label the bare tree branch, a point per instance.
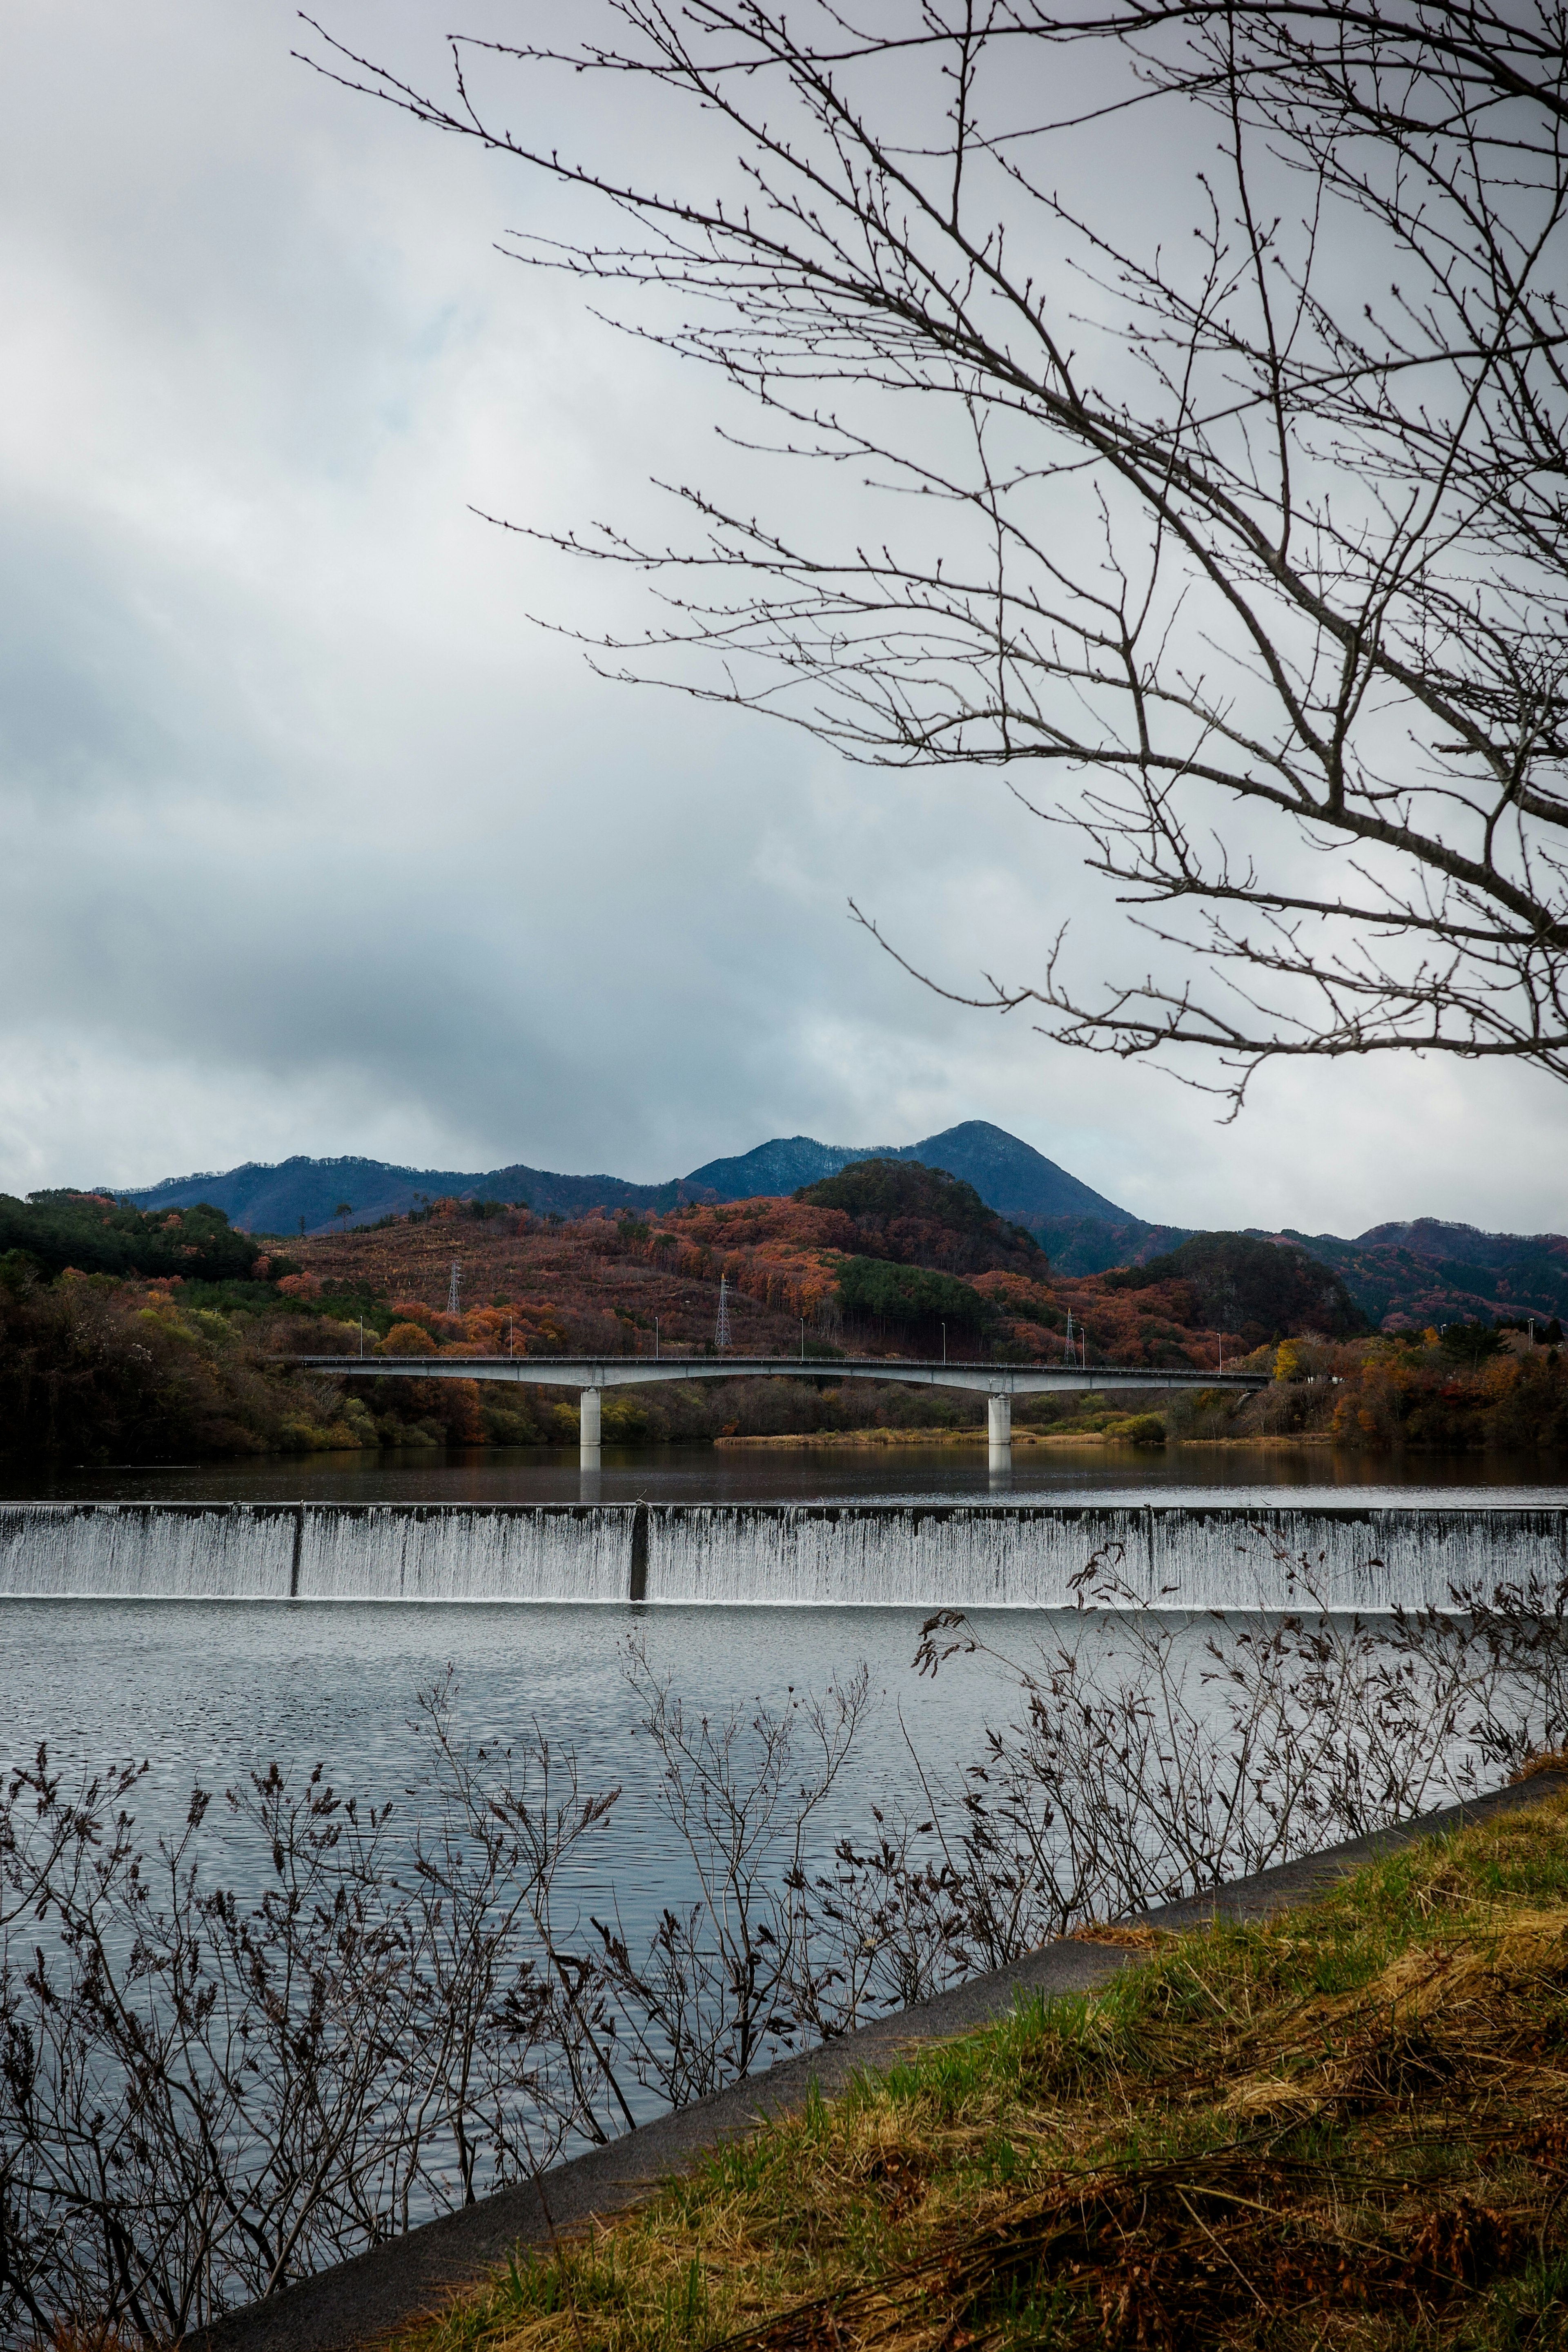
(1250, 535)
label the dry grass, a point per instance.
(1347, 2128)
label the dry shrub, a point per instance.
(209, 2089)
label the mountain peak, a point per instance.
(1010, 1177)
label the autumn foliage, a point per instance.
(96, 1368)
(94, 1235)
(888, 1259)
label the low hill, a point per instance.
(1403, 1276)
(1409, 1276)
(915, 1216)
(881, 1254)
(1262, 1290)
(98, 1235)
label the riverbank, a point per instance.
(832, 1440)
(836, 1440)
(1339, 2108)
(1357, 2112)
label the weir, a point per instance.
(921, 1555)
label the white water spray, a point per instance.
(962, 1555)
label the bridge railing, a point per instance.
(591, 1375)
(987, 1378)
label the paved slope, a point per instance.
(368, 2297)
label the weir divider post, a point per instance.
(637, 1588)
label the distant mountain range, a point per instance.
(1400, 1275)
(1426, 1272)
(1009, 1176)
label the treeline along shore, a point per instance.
(132, 1336)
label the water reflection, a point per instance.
(694, 1473)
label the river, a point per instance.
(738, 1474)
(171, 1633)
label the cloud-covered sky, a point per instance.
(311, 840)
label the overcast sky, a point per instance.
(312, 842)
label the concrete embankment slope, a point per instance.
(360, 2300)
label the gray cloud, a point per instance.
(311, 842)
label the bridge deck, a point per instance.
(638, 1372)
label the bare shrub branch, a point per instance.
(206, 2091)
(209, 2088)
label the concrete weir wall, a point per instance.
(939, 1555)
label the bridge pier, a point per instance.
(588, 1429)
(999, 1431)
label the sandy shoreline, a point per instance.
(838, 1438)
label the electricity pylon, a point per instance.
(721, 1336)
(453, 1287)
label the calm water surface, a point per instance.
(694, 1473)
(207, 1691)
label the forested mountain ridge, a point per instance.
(128, 1336)
(271, 1198)
(1010, 1175)
(1429, 1272)
(1406, 1274)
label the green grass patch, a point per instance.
(1345, 2127)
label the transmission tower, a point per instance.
(721, 1336)
(453, 1287)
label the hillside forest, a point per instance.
(130, 1335)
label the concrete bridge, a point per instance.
(591, 1375)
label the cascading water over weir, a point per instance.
(921, 1555)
